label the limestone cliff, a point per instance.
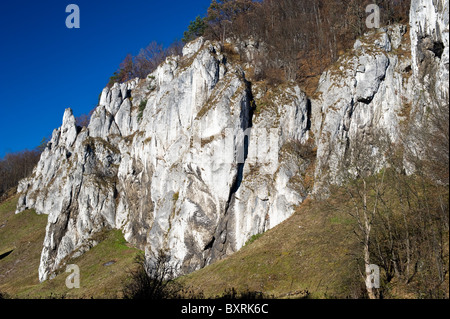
(386, 83)
(195, 159)
(165, 159)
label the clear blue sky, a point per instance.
(46, 67)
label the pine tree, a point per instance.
(195, 29)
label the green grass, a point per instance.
(25, 232)
(8, 206)
(253, 238)
(103, 270)
(310, 255)
(341, 220)
(142, 107)
(313, 254)
(311, 251)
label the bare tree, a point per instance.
(301, 37)
(15, 166)
(152, 278)
(82, 120)
(365, 186)
(148, 59)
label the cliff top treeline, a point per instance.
(299, 38)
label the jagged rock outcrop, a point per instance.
(195, 159)
(429, 37)
(166, 160)
(430, 64)
(379, 93)
(359, 99)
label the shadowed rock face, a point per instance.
(210, 161)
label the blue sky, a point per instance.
(47, 67)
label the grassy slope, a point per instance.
(97, 280)
(312, 254)
(311, 251)
(25, 234)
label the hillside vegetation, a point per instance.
(294, 40)
(103, 269)
(316, 253)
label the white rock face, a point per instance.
(175, 175)
(369, 91)
(361, 97)
(429, 29)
